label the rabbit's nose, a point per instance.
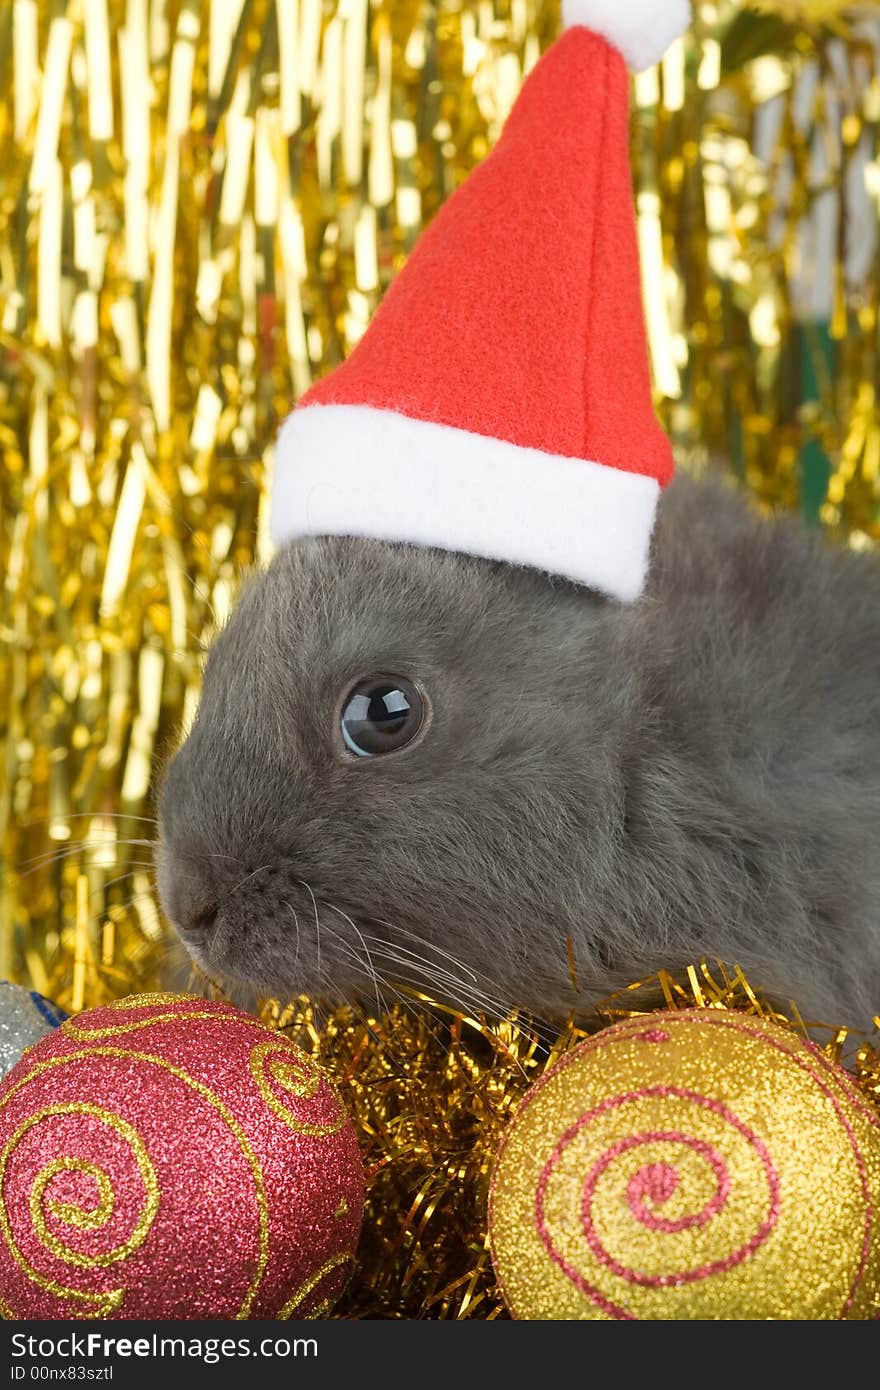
(191, 906)
(200, 919)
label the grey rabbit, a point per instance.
(563, 779)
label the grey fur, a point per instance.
(697, 773)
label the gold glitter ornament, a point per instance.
(690, 1165)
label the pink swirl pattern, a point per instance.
(659, 1182)
(636, 1202)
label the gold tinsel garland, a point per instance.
(200, 206)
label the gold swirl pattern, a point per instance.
(84, 1218)
(298, 1075)
(115, 1030)
(99, 1216)
(102, 1305)
(89, 1303)
(689, 1165)
(310, 1284)
(151, 1000)
(74, 1029)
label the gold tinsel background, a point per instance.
(200, 206)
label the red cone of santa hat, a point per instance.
(499, 403)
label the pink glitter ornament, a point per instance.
(171, 1157)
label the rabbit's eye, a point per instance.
(381, 715)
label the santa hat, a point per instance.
(499, 403)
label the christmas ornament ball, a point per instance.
(690, 1165)
(25, 1017)
(171, 1157)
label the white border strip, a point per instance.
(351, 470)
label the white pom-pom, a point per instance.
(641, 29)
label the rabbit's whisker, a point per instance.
(363, 941)
(317, 927)
(298, 935)
(427, 944)
(442, 978)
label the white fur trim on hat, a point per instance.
(352, 470)
(641, 29)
